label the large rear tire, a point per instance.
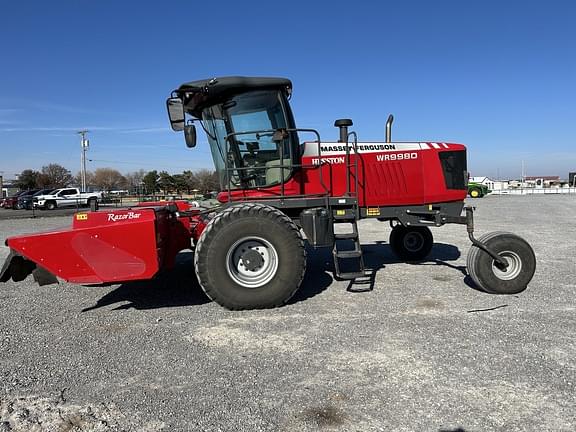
(412, 243)
(488, 276)
(250, 256)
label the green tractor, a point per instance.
(477, 190)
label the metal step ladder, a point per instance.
(348, 255)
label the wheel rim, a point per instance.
(413, 241)
(514, 266)
(474, 193)
(252, 262)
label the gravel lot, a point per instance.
(422, 351)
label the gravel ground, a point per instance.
(422, 351)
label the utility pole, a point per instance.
(1, 185)
(84, 143)
(523, 172)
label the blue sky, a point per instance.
(497, 76)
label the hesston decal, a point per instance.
(112, 217)
(379, 158)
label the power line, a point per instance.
(136, 163)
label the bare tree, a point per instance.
(54, 175)
(108, 179)
(135, 180)
(206, 180)
(89, 178)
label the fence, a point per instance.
(536, 191)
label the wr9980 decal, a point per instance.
(396, 156)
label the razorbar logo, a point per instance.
(112, 217)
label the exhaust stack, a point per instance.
(389, 128)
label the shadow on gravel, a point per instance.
(178, 287)
(380, 254)
(441, 252)
(318, 274)
(320, 266)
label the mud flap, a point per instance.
(18, 268)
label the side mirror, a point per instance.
(175, 113)
(190, 135)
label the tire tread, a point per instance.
(221, 219)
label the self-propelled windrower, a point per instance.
(277, 190)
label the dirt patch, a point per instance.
(36, 414)
(232, 336)
(324, 416)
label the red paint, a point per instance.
(123, 245)
(108, 246)
(417, 181)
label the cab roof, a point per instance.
(197, 95)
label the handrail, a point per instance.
(282, 166)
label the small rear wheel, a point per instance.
(411, 243)
(250, 256)
(495, 279)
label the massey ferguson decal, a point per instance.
(361, 147)
(333, 153)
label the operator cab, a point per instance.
(249, 126)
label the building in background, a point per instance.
(490, 183)
(8, 189)
(542, 181)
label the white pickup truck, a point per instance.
(66, 197)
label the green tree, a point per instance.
(166, 182)
(180, 183)
(28, 179)
(151, 182)
(190, 179)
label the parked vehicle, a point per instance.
(66, 197)
(10, 202)
(477, 190)
(26, 201)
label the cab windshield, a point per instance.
(240, 132)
